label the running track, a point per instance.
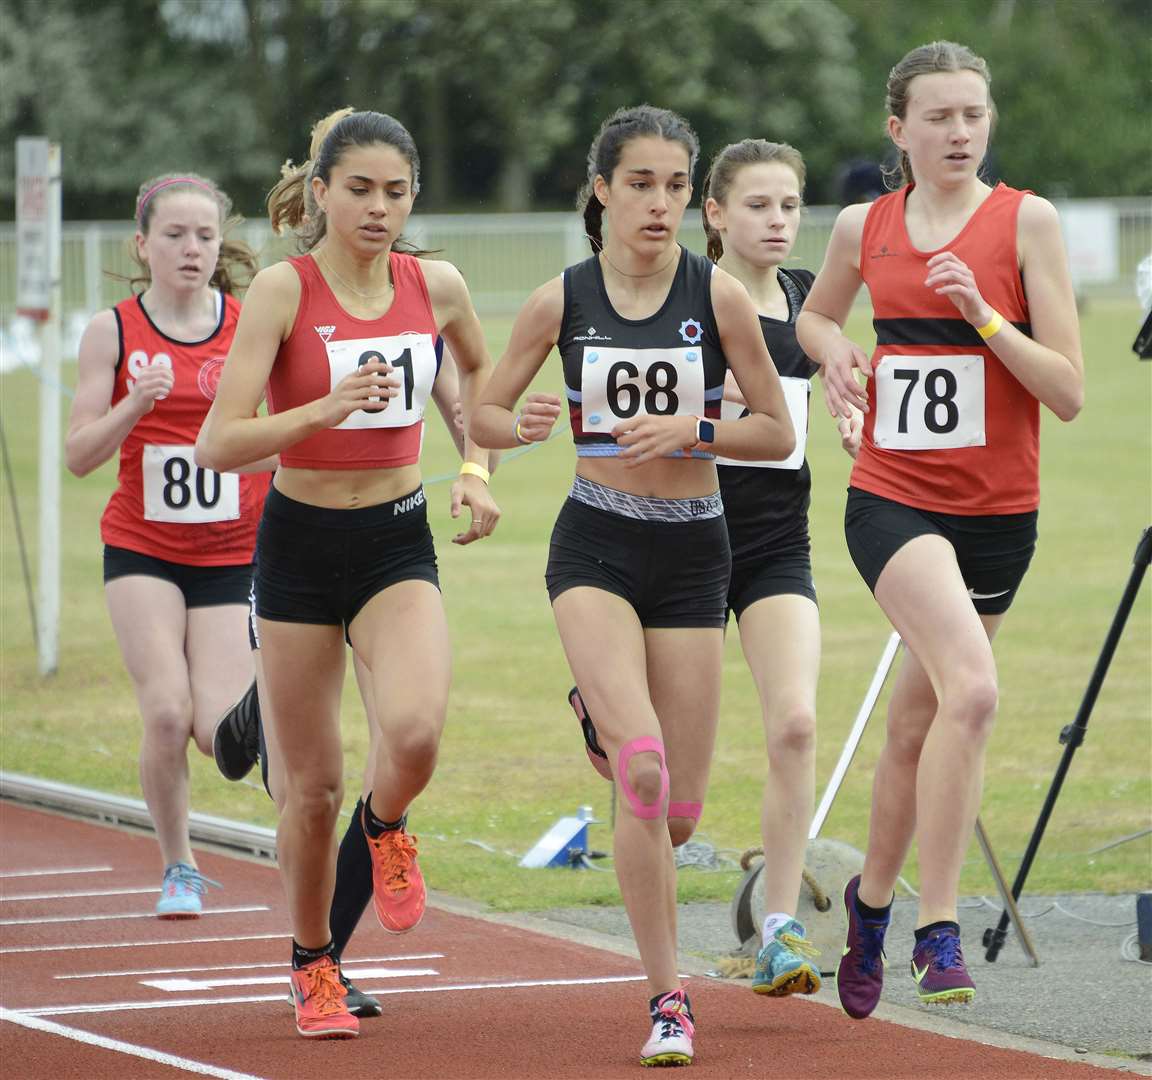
(91, 985)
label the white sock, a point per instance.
(774, 922)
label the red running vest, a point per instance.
(326, 344)
(949, 428)
(164, 505)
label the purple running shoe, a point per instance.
(939, 971)
(860, 973)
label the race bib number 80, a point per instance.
(176, 489)
(617, 384)
(413, 360)
(929, 402)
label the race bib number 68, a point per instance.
(929, 402)
(617, 384)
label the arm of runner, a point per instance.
(458, 325)
(95, 431)
(233, 435)
(732, 389)
(534, 334)
(446, 395)
(819, 327)
(1049, 364)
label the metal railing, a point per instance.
(503, 257)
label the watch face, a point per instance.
(707, 431)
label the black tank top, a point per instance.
(766, 506)
(669, 364)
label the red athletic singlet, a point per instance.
(164, 505)
(327, 343)
(949, 428)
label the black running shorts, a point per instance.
(993, 550)
(202, 586)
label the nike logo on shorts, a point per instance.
(987, 595)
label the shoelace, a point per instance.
(872, 942)
(398, 852)
(673, 1017)
(324, 989)
(800, 946)
(946, 952)
(186, 877)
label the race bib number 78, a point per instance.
(929, 402)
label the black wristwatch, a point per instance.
(705, 431)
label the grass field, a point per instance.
(512, 762)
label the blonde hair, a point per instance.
(291, 204)
(237, 262)
(722, 173)
(930, 59)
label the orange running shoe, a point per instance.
(318, 995)
(398, 892)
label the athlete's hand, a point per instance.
(645, 438)
(472, 492)
(851, 430)
(153, 384)
(536, 417)
(949, 276)
(369, 387)
(842, 391)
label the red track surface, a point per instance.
(449, 1015)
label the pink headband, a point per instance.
(168, 183)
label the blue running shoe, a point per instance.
(181, 891)
(786, 963)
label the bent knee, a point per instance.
(972, 706)
(315, 802)
(792, 735)
(643, 777)
(683, 817)
(415, 746)
(169, 721)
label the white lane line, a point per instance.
(54, 870)
(79, 895)
(191, 986)
(348, 964)
(158, 1056)
(125, 915)
(285, 935)
(185, 1003)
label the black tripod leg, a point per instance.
(1073, 735)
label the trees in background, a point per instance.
(504, 96)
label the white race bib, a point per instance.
(616, 384)
(176, 489)
(413, 360)
(929, 402)
(796, 393)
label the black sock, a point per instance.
(302, 956)
(353, 883)
(654, 1005)
(873, 914)
(945, 924)
(373, 826)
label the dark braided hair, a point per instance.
(618, 130)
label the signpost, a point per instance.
(38, 211)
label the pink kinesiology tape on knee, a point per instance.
(691, 810)
(641, 746)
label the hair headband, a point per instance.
(168, 183)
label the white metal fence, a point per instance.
(505, 256)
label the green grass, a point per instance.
(511, 761)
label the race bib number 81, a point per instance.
(617, 384)
(413, 360)
(929, 402)
(176, 489)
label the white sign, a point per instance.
(37, 225)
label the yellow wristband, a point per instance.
(470, 468)
(520, 438)
(992, 326)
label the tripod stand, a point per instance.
(1073, 734)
